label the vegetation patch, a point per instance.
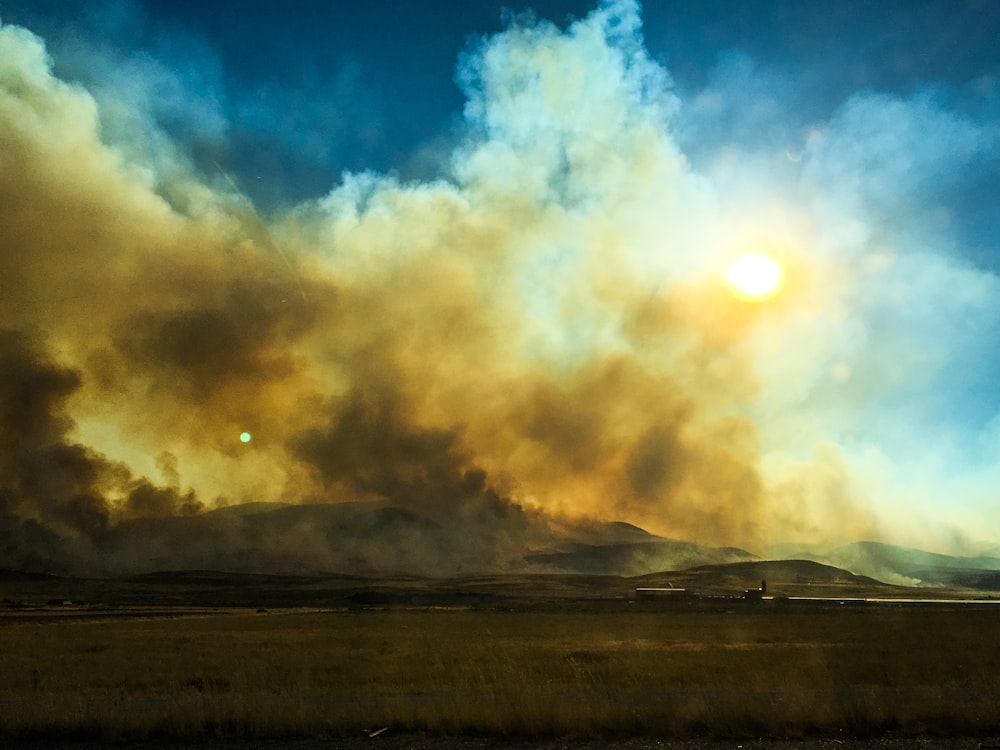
(531, 673)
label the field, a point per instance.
(593, 670)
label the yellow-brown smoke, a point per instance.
(544, 330)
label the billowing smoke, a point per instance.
(51, 487)
(542, 333)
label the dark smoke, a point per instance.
(373, 449)
(51, 488)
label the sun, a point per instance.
(754, 276)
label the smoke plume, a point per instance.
(542, 333)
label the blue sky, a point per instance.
(497, 231)
(302, 94)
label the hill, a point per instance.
(636, 558)
(787, 577)
(915, 567)
(373, 539)
(379, 541)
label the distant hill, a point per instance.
(788, 577)
(356, 538)
(247, 509)
(19, 576)
(377, 539)
(636, 558)
(484, 537)
(915, 567)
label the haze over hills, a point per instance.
(914, 567)
(379, 540)
(365, 538)
(637, 558)
(783, 577)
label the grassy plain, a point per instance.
(598, 670)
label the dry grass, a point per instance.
(532, 673)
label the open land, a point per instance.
(515, 657)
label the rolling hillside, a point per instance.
(914, 567)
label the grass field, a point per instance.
(623, 671)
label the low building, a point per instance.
(662, 594)
(756, 595)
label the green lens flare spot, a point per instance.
(245, 437)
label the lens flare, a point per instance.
(754, 276)
(245, 437)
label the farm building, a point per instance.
(662, 594)
(756, 595)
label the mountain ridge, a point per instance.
(377, 539)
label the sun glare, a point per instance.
(754, 276)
